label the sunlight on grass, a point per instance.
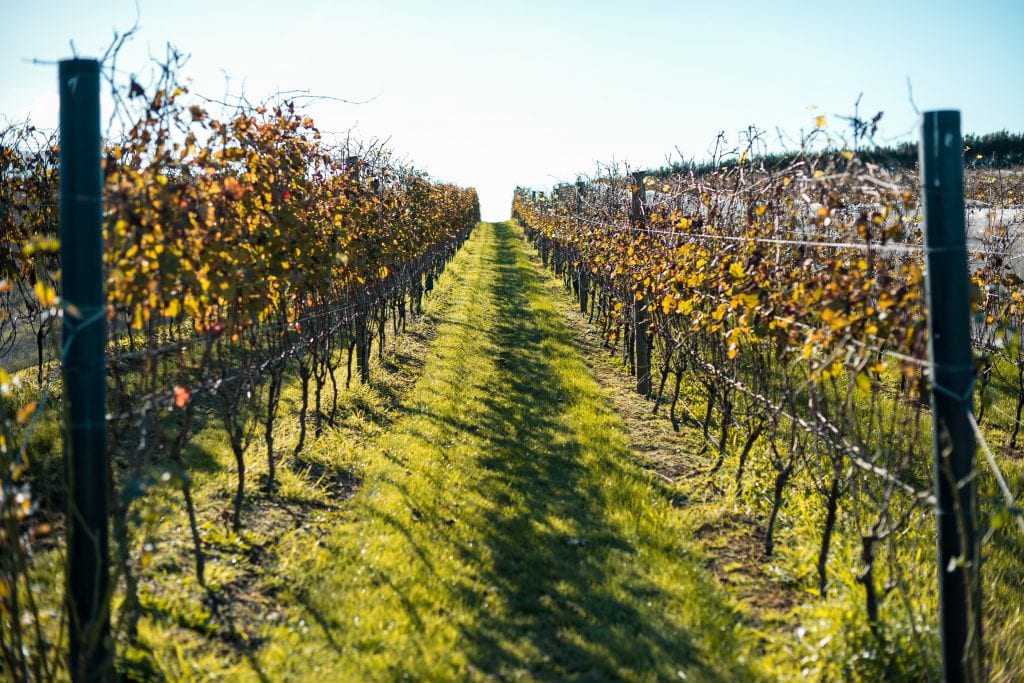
(500, 530)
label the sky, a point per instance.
(535, 92)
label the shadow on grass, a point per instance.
(541, 581)
(564, 606)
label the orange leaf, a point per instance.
(233, 189)
(25, 412)
(181, 397)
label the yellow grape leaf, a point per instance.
(820, 121)
(46, 295)
(25, 412)
(736, 270)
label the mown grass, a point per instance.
(500, 530)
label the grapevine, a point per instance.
(238, 244)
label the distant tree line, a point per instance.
(989, 151)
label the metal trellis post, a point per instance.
(952, 396)
(87, 467)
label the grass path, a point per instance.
(501, 530)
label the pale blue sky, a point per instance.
(495, 94)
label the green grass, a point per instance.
(500, 530)
(499, 527)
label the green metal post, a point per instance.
(81, 243)
(952, 372)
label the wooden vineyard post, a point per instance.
(643, 350)
(638, 198)
(641, 319)
(583, 272)
(85, 374)
(363, 337)
(362, 312)
(952, 396)
(416, 289)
